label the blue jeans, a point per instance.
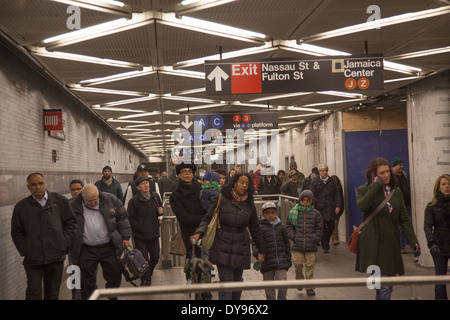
(227, 274)
(384, 293)
(440, 267)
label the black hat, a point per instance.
(139, 180)
(183, 165)
(141, 167)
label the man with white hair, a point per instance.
(104, 232)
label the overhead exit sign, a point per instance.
(345, 73)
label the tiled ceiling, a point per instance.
(145, 109)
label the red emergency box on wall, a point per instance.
(53, 119)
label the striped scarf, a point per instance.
(238, 198)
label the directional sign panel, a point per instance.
(229, 120)
(346, 73)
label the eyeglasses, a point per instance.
(185, 171)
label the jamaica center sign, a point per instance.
(343, 73)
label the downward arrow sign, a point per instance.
(218, 74)
(186, 123)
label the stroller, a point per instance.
(199, 269)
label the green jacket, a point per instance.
(379, 242)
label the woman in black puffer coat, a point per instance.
(437, 230)
(231, 248)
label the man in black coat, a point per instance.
(42, 228)
(186, 205)
(328, 203)
(144, 211)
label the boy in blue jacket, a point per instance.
(304, 228)
(210, 189)
(278, 257)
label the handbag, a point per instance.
(177, 246)
(214, 224)
(133, 264)
(354, 238)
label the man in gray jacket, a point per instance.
(104, 232)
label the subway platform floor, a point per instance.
(338, 263)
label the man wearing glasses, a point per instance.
(185, 203)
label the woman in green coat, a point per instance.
(379, 243)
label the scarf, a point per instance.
(387, 191)
(212, 185)
(324, 180)
(108, 182)
(293, 214)
(238, 198)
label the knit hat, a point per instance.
(396, 161)
(306, 193)
(207, 176)
(268, 205)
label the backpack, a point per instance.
(133, 264)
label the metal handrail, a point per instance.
(230, 286)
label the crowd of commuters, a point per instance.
(99, 221)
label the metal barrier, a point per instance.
(170, 224)
(230, 286)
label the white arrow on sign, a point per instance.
(218, 74)
(186, 123)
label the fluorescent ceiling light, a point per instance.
(189, 6)
(420, 53)
(39, 51)
(330, 102)
(379, 23)
(402, 79)
(182, 73)
(108, 91)
(168, 96)
(145, 114)
(128, 101)
(280, 96)
(100, 30)
(107, 6)
(342, 94)
(207, 106)
(98, 108)
(397, 67)
(227, 55)
(304, 115)
(118, 77)
(212, 28)
(291, 45)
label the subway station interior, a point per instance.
(125, 76)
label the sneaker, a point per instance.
(310, 292)
(326, 251)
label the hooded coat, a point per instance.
(231, 247)
(306, 233)
(278, 256)
(379, 242)
(437, 224)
